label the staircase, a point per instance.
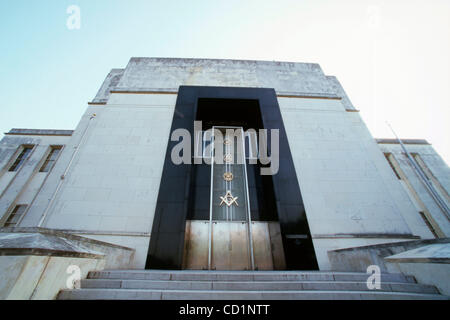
(241, 285)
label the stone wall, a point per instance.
(351, 196)
(437, 172)
(37, 264)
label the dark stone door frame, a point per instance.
(168, 231)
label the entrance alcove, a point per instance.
(275, 235)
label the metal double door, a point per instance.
(230, 244)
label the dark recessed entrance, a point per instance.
(279, 230)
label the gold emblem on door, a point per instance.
(228, 199)
(228, 176)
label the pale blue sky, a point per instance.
(392, 57)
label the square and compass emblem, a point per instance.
(229, 199)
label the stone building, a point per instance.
(110, 195)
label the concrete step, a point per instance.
(134, 294)
(244, 285)
(243, 276)
(254, 285)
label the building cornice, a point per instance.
(405, 141)
(39, 132)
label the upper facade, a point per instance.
(166, 75)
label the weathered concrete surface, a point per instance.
(41, 244)
(426, 260)
(433, 253)
(111, 189)
(38, 241)
(428, 264)
(436, 170)
(350, 194)
(22, 178)
(435, 274)
(43, 198)
(21, 186)
(359, 258)
(34, 262)
(40, 277)
(111, 81)
(162, 74)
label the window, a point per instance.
(15, 215)
(422, 214)
(389, 159)
(21, 158)
(429, 175)
(51, 159)
(419, 162)
(416, 200)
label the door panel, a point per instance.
(230, 249)
(261, 246)
(230, 246)
(196, 245)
